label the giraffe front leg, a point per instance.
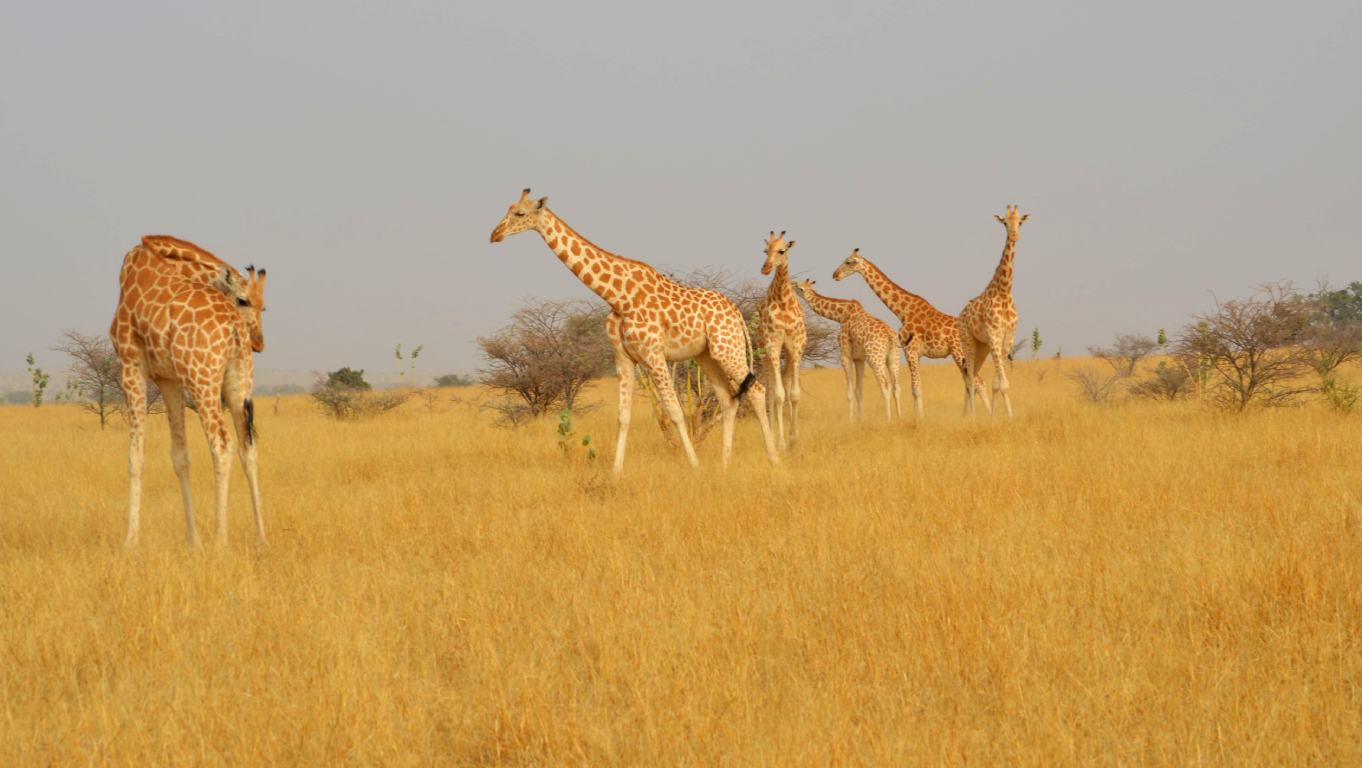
(793, 392)
(893, 365)
(756, 395)
(135, 394)
(849, 373)
(777, 404)
(860, 387)
(625, 369)
(179, 455)
(1000, 383)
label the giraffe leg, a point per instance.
(733, 363)
(973, 358)
(237, 389)
(893, 365)
(660, 375)
(179, 455)
(624, 368)
(879, 367)
(208, 399)
(135, 394)
(793, 393)
(728, 405)
(1000, 384)
(860, 388)
(777, 404)
(848, 371)
(915, 379)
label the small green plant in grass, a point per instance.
(40, 378)
(567, 438)
(1340, 396)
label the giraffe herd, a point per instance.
(189, 322)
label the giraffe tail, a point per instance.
(751, 377)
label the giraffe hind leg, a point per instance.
(179, 455)
(135, 395)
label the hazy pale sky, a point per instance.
(364, 151)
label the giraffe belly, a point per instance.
(681, 347)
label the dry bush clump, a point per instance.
(542, 360)
(344, 394)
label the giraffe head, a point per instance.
(853, 264)
(251, 303)
(522, 215)
(805, 287)
(1013, 220)
(777, 252)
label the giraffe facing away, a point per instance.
(989, 321)
(863, 338)
(781, 333)
(926, 330)
(189, 322)
(654, 320)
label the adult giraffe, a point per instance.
(186, 320)
(654, 320)
(781, 333)
(988, 322)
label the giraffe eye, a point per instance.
(782, 251)
(520, 213)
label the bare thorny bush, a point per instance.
(545, 357)
(1256, 351)
(95, 379)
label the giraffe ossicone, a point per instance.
(654, 321)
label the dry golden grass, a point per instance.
(1142, 584)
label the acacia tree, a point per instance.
(545, 357)
(95, 379)
(1125, 353)
(1251, 349)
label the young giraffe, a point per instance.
(654, 320)
(989, 321)
(781, 332)
(926, 330)
(187, 320)
(862, 338)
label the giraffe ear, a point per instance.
(999, 218)
(789, 245)
(543, 201)
(1024, 217)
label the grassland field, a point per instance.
(1139, 584)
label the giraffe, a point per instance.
(863, 338)
(781, 332)
(988, 322)
(926, 330)
(188, 321)
(654, 320)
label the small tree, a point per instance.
(39, 378)
(1035, 342)
(1094, 386)
(1125, 353)
(1167, 382)
(453, 380)
(346, 377)
(545, 358)
(1251, 349)
(96, 376)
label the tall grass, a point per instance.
(1143, 584)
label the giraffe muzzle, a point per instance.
(498, 234)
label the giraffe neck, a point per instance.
(899, 301)
(609, 276)
(838, 310)
(1002, 276)
(780, 293)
